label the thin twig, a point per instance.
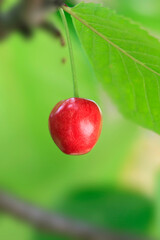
(26, 15)
(70, 48)
(56, 224)
(53, 30)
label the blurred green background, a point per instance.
(114, 186)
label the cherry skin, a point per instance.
(75, 125)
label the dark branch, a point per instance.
(53, 30)
(26, 16)
(55, 224)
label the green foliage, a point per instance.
(112, 208)
(126, 60)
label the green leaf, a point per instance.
(126, 59)
(111, 208)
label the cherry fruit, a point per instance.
(75, 125)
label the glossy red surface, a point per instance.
(75, 125)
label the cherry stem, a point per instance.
(75, 86)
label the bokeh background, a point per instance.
(116, 186)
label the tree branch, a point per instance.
(53, 30)
(26, 15)
(56, 224)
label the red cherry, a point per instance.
(75, 125)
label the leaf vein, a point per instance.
(67, 9)
(130, 82)
(146, 94)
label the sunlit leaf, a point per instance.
(126, 60)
